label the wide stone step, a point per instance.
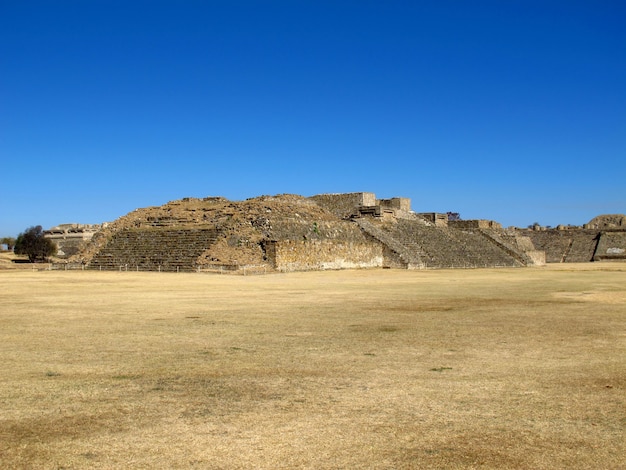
(439, 247)
(154, 250)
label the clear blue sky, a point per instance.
(507, 110)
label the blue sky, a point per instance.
(513, 111)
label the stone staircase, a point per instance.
(423, 246)
(509, 244)
(154, 249)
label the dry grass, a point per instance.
(7, 258)
(520, 368)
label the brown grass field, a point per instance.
(382, 369)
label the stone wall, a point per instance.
(434, 218)
(344, 205)
(476, 223)
(299, 229)
(309, 255)
(611, 247)
(397, 203)
(302, 245)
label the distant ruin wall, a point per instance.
(608, 221)
(70, 239)
(397, 203)
(344, 205)
(292, 255)
(67, 247)
(476, 223)
(564, 246)
(611, 246)
(435, 218)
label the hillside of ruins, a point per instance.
(328, 231)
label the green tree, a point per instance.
(9, 242)
(34, 244)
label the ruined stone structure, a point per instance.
(434, 218)
(608, 221)
(474, 224)
(565, 246)
(344, 206)
(71, 238)
(327, 231)
(579, 245)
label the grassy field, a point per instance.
(493, 368)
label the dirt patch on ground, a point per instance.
(595, 297)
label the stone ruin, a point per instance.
(602, 239)
(70, 239)
(328, 231)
